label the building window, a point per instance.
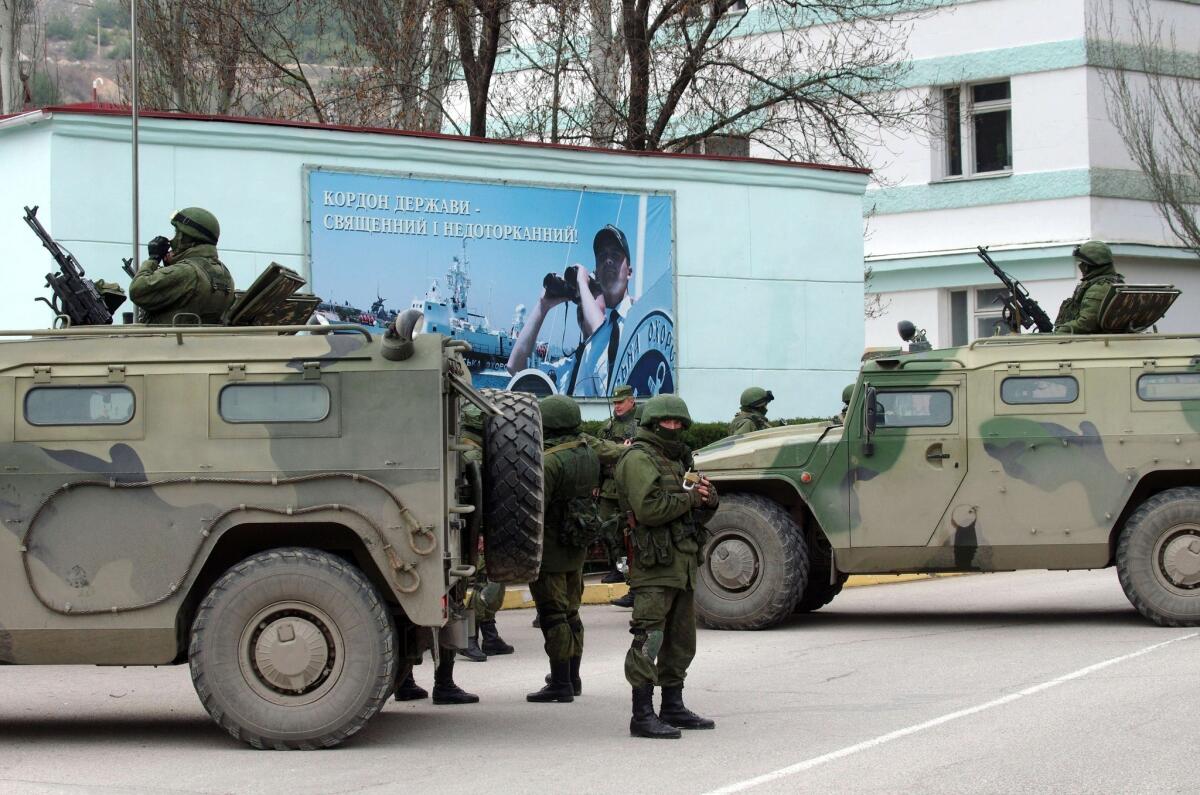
(976, 312)
(79, 405)
(274, 403)
(978, 129)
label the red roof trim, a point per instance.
(104, 109)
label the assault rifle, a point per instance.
(75, 298)
(1020, 310)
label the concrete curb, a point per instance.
(598, 593)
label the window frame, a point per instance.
(1137, 387)
(1046, 377)
(916, 390)
(973, 310)
(76, 387)
(968, 109)
(274, 385)
(220, 428)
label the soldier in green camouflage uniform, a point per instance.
(487, 596)
(572, 474)
(667, 531)
(620, 428)
(1080, 314)
(188, 279)
(753, 416)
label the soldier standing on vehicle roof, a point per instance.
(753, 414)
(572, 475)
(184, 276)
(488, 596)
(1080, 314)
(667, 529)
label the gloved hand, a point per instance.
(158, 248)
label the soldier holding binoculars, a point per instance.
(602, 304)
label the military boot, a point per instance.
(576, 682)
(558, 688)
(614, 575)
(675, 713)
(407, 689)
(444, 689)
(493, 644)
(622, 601)
(473, 652)
(644, 722)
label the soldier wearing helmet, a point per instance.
(666, 527)
(183, 276)
(572, 477)
(1080, 314)
(753, 414)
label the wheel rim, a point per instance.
(291, 653)
(1177, 555)
(733, 563)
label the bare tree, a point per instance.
(395, 66)
(14, 16)
(477, 27)
(1156, 110)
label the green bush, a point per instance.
(120, 50)
(81, 47)
(44, 90)
(111, 13)
(60, 28)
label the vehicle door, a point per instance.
(905, 477)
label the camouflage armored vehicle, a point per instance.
(1018, 452)
(288, 513)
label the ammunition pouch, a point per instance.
(581, 522)
(653, 546)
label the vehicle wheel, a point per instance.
(1158, 558)
(754, 567)
(293, 649)
(818, 590)
(512, 489)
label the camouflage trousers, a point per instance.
(486, 601)
(664, 636)
(556, 596)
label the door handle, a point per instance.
(936, 456)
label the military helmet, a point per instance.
(1095, 253)
(756, 395)
(560, 413)
(198, 223)
(665, 407)
(847, 393)
(472, 418)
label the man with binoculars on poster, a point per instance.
(602, 303)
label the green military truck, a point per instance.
(1017, 452)
(284, 508)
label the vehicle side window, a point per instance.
(1034, 389)
(1169, 386)
(274, 403)
(79, 405)
(916, 409)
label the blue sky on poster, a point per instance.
(354, 266)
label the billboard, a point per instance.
(558, 289)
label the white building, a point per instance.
(1028, 165)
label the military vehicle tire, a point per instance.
(818, 590)
(1158, 558)
(755, 565)
(512, 488)
(260, 685)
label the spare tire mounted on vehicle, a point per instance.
(512, 488)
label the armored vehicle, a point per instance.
(1019, 452)
(283, 508)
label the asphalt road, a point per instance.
(1025, 682)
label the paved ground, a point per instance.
(1027, 682)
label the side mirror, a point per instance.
(870, 419)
